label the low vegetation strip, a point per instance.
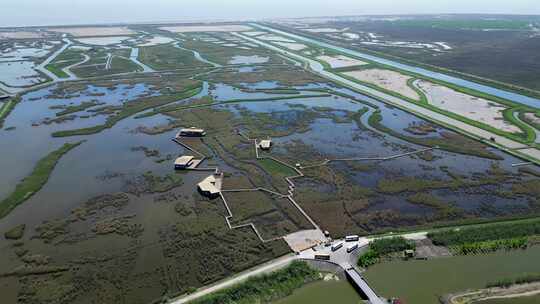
(36, 180)
(78, 108)
(523, 279)
(174, 108)
(490, 246)
(497, 231)
(132, 108)
(56, 70)
(273, 167)
(382, 248)
(264, 288)
(6, 108)
(510, 115)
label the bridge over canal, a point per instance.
(361, 285)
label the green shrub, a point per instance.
(502, 231)
(381, 247)
(264, 288)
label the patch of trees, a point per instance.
(380, 248)
(264, 288)
(501, 231)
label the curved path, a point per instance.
(41, 66)
(536, 131)
(68, 71)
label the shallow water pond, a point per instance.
(19, 73)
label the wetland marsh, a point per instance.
(109, 220)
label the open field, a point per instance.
(94, 31)
(21, 35)
(275, 38)
(155, 40)
(474, 108)
(168, 57)
(116, 65)
(102, 41)
(323, 30)
(205, 28)
(389, 80)
(341, 61)
(292, 46)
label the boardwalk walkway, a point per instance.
(290, 181)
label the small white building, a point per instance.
(191, 132)
(265, 144)
(183, 162)
(211, 186)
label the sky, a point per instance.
(60, 12)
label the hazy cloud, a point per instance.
(47, 12)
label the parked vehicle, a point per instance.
(322, 256)
(352, 238)
(337, 246)
(352, 248)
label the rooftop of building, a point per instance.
(183, 160)
(210, 184)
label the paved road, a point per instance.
(68, 71)
(265, 268)
(318, 68)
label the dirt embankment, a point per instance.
(474, 296)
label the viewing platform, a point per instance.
(191, 132)
(265, 144)
(186, 162)
(211, 185)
